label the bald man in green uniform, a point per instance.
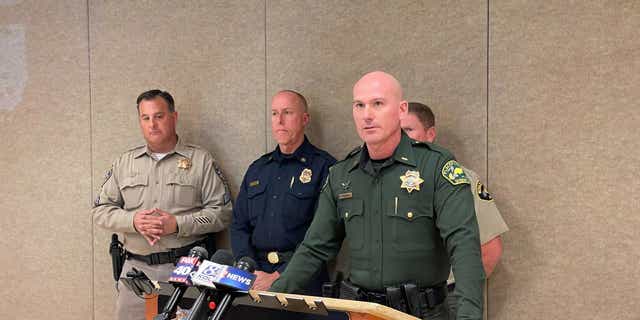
(406, 211)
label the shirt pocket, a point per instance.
(256, 201)
(413, 226)
(351, 211)
(299, 206)
(132, 190)
(181, 190)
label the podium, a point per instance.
(356, 310)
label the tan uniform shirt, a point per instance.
(185, 183)
(490, 221)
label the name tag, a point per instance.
(347, 195)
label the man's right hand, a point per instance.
(148, 224)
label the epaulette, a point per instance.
(431, 146)
(265, 157)
(136, 148)
(353, 152)
(193, 145)
(322, 153)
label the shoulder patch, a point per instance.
(482, 192)
(453, 172)
(227, 192)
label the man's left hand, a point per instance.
(264, 280)
(169, 223)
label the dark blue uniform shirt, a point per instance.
(276, 203)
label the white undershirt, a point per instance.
(159, 156)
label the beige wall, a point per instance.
(547, 117)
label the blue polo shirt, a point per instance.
(277, 201)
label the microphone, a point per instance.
(234, 281)
(180, 279)
(221, 257)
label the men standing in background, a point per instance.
(419, 124)
(164, 197)
(278, 195)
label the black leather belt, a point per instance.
(170, 256)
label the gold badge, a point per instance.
(305, 175)
(411, 181)
(273, 257)
(184, 163)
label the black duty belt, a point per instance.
(427, 296)
(170, 256)
(275, 257)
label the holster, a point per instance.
(118, 256)
(395, 299)
(349, 291)
(332, 289)
(412, 295)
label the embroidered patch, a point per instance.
(453, 172)
(227, 193)
(483, 193)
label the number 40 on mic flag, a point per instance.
(184, 267)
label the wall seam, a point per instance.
(92, 269)
(266, 111)
(488, 30)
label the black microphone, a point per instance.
(245, 264)
(222, 257)
(180, 279)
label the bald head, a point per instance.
(295, 99)
(381, 81)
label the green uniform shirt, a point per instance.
(185, 183)
(396, 236)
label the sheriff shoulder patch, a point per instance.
(453, 172)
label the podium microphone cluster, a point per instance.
(220, 278)
(180, 278)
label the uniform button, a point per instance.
(157, 182)
(409, 214)
(272, 214)
(275, 197)
(155, 201)
(346, 214)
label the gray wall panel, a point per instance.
(45, 161)
(563, 117)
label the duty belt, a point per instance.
(406, 298)
(170, 256)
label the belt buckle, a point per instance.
(272, 257)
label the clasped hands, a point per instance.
(154, 223)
